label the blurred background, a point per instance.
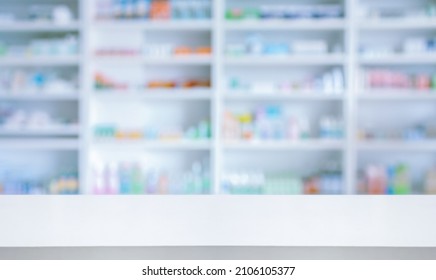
(217, 97)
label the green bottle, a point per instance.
(402, 181)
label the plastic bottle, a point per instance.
(376, 179)
(125, 179)
(390, 189)
(402, 180)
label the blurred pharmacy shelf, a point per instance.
(320, 74)
(41, 96)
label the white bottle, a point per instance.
(338, 81)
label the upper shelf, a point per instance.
(38, 27)
(297, 95)
(50, 144)
(330, 59)
(135, 144)
(40, 61)
(398, 59)
(154, 94)
(397, 24)
(397, 145)
(19, 132)
(64, 96)
(259, 145)
(397, 95)
(321, 24)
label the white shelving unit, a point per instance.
(45, 152)
(351, 103)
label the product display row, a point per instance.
(415, 133)
(394, 179)
(13, 183)
(25, 81)
(329, 82)
(66, 46)
(153, 9)
(200, 131)
(397, 79)
(255, 45)
(273, 123)
(133, 178)
(329, 182)
(56, 14)
(157, 51)
(425, 10)
(104, 82)
(16, 119)
(285, 11)
(410, 46)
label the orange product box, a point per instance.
(204, 50)
(182, 50)
(160, 9)
(161, 84)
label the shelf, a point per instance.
(135, 60)
(398, 95)
(39, 97)
(397, 24)
(51, 144)
(287, 60)
(38, 27)
(152, 94)
(123, 144)
(40, 61)
(284, 145)
(400, 59)
(305, 24)
(298, 95)
(39, 132)
(397, 145)
(143, 25)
